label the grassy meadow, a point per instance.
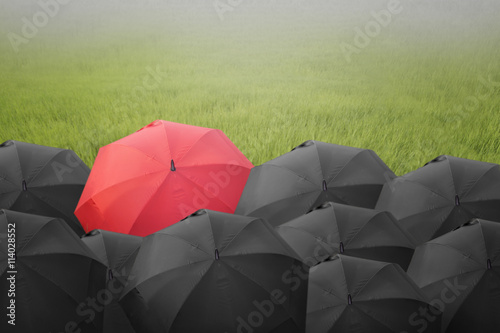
(424, 86)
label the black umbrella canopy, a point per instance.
(442, 195)
(311, 174)
(350, 294)
(55, 279)
(333, 228)
(41, 180)
(460, 272)
(117, 252)
(217, 272)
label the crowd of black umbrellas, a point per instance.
(325, 238)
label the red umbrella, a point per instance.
(159, 175)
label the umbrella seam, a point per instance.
(217, 198)
(51, 159)
(289, 171)
(210, 130)
(478, 179)
(140, 151)
(347, 163)
(261, 287)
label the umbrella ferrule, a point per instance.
(349, 299)
(172, 165)
(457, 200)
(324, 185)
(216, 254)
(488, 264)
(25, 188)
(341, 247)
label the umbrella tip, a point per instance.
(488, 264)
(341, 247)
(216, 254)
(349, 299)
(25, 188)
(457, 200)
(324, 185)
(172, 165)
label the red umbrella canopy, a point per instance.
(160, 174)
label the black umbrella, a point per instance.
(51, 277)
(311, 174)
(460, 272)
(442, 195)
(117, 252)
(217, 272)
(341, 229)
(41, 180)
(350, 294)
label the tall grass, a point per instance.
(407, 98)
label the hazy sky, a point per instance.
(446, 16)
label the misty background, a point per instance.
(269, 73)
(254, 20)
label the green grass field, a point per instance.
(409, 96)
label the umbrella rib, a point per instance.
(127, 258)
(378, 321)
(386, 266)
(451, 175)
(425, 211)
(297, 229)
(208, 164)
(52, 282)
(183, 240)
(484, 242)
(33, 177)
(164, 126)
(454, 250)
(46, 203)
(261, 287)
(371, 278)
(202, 190)
(477, 180)
(304, 232)
(128, 180)
(283, 199)
(233, 147)
(402, 231)
(212, 229)
(36, 233)
(345, 165)
(196, 142)
(427, 188)
(289, 171)
(142, 152)
(8, 180)
(19, 163)
(163, 272)
(239, 232)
